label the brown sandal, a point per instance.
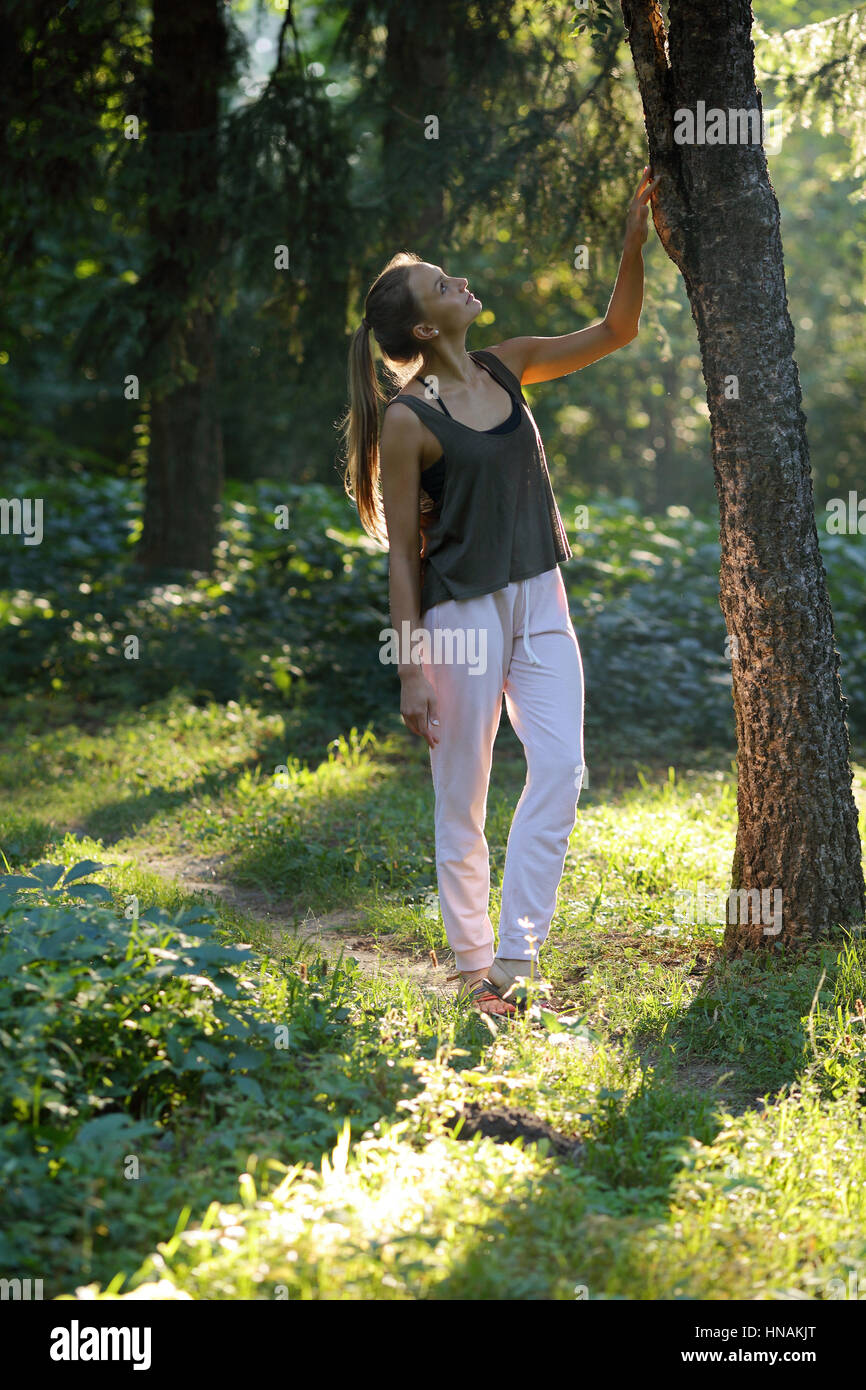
(482, 992)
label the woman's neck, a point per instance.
(450, 364)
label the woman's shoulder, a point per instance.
(503, 358)
(413, 388)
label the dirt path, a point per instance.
(334, 932)
(330, 933)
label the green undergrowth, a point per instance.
(292, 613)
(197, 1104)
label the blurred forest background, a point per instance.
(195, 199)
(189, 235)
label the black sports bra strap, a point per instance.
(489, 372)
(407, 395)
(515, 405)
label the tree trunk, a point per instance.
(717, 217)
(416, 76)
(185, 463)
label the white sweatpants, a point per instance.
(518, 641)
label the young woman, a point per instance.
(463, 470)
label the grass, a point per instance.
(717, 1105)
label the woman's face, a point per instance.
(445, 301)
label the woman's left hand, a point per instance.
(636, 225)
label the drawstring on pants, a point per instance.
(526, 643)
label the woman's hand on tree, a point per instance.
(637, 221)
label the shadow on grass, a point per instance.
(23, 838)
(588, 1223)
(381, 837)
(128, 815)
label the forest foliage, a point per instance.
(540, 146)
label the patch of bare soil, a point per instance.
(719, 1080)
(330, 933)
(505, 1123)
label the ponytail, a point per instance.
(390, 313)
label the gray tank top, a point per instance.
(493, 518)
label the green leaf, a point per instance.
(48, 874)
(81, 870)
(91, 892)
(20, 881)
(249, 1087)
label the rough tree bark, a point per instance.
(716, 214)
(185, 461)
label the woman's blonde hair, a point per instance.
(390, 312)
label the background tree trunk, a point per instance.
(718, 220)
(416, 79)
(666, 475)
(185, 462)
